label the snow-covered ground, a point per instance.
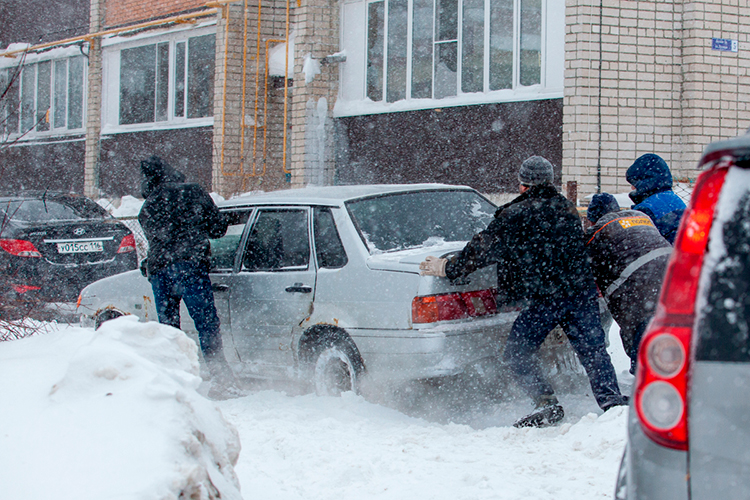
(118, 413)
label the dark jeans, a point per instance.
(578, 316)
(189, 282)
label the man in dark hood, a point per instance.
(538, 239)
(653, 195)
(629, 257)
(178, 219)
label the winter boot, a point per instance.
(618, 401)
(547, 412)
(224, 385)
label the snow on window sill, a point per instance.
(368, 107)
(147, 127)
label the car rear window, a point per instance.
(409, 220)
(723, 322)
(51, 210)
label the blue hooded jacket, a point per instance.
(653, 194)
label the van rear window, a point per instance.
(724, 320)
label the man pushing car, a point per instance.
(537, 240)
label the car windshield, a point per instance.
(51, 210)
(421, 218)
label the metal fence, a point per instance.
(683, 190)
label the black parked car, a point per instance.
(54, 244)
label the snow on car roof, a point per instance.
(330, 195)
(739, 145)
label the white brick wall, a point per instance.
(663, 89)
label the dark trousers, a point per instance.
(189, 282)
(578, 316)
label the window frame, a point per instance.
(251, 214)
(355, 74)
(259, 209)
(32, 62)
(111, 91)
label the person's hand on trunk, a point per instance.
(433, 266)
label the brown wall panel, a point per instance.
(42, 21)
(53, 166)
(187, 150)
(119, 12)
(480, 146)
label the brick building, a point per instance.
(455, 91)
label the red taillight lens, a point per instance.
(127, 245)
(663, 362)
(19, 248)
(681, 279)
(450, 306)
(661, 385)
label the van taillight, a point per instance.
(681, 279)
(661, 385)
(19, 248)
(127, 245)
(450, 306)
(663, 356)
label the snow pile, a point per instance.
(111, 414)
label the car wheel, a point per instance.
(336, 365)
(105, 315)
(621, 489)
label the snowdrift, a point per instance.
(111, 414)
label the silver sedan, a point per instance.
(322, 285)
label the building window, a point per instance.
(43, 97)
(167, 81)
(422, 49)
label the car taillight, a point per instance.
(19, 248)
(681, 279)
(127, 245)
(450, 306)
(663, 356)
(661, 385)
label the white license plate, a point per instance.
(80, 247)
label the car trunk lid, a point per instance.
(76, 242)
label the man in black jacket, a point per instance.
(629, 257)
(537, 240)
(178, 219)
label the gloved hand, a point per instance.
(144, 268)
(433, 266)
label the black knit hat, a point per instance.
(535, 170)
(601, 204)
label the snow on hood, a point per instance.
(408, 260)
(112, 413)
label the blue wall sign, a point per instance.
(724, 44)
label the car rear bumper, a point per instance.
(651, 471)
(44, 281)
(435, 351)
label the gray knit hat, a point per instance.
(535, 170)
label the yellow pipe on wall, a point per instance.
(114, 31)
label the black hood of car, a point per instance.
(155, 172)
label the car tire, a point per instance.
(106, 315)
(621, 489)
(335, 364)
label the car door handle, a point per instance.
(218, 287)
(299, 287)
